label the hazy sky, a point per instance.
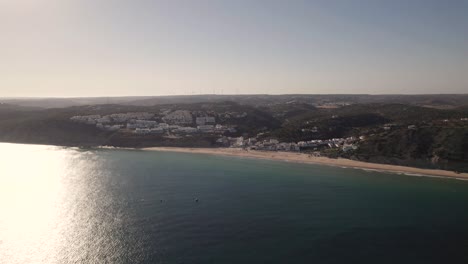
(139, 47)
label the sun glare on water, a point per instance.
(33, 202)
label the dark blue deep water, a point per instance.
(62, 205)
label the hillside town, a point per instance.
(345, 144)
(389, 132)
(179, 122)
(184, 123)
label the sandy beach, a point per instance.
(305, 158)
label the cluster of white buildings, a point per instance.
(346, 144)
(155, 130)
(205, 120)
(252, 143)
(89, 119)
(177, 122)
(176, 129)
(139, 124)
(331, 143)
(109, 127)
(113, 118)
(228, 115)
(162, 128)
(179, 117)
(115, 122)
(313, 130)
(125, 117)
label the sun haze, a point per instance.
(116, 48)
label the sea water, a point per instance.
(68, 205)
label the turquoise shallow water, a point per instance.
(61, 205)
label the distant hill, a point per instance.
(439, 137)
(444, 101)
(53, 125)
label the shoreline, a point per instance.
(303, 158)
(294, 157)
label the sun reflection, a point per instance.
(33, 194)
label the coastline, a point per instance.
(305, 158)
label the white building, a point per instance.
(274, 141)
(142, 131)
(104, 120)
(205, 120)
(111, 127)
(163, 125)
(146, 123)
(124, 117)
(348, 147)
(179, 117)
(206, 128)
(186, 130)
(156, 130)
(239, 142)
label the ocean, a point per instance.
(69, 205)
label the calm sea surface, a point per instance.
(62, 205)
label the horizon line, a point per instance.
(197, 95)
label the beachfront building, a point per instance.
(238, 142)
(274, 141)
(349, 147)
(346, 144)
